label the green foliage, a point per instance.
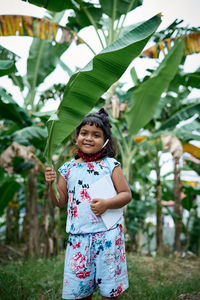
(194, 238)
(181, 115)
(6, 67)
(59, 5)
(121, 7)
(42, 60)
(146, 97)
(149, 278)
(9, 186)
(85, 87)
(31, 135)
(10, 110)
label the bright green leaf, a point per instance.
(146, 97)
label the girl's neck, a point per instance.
(84, 157)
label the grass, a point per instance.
(149, 278)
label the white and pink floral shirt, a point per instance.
(79, 176)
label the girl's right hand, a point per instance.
(50, 175)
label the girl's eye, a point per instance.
(83, 133)
(96, 135)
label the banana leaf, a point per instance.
(42, 60)
(6, 67)
(193, 166)
(10, 110)
(121, 7)
(7, 191)
(53, 5)
(6, 54)
(181, 115)
(191, 45)
(86, 87)
(87, 14)
(146, 97)
(17, 25)
(32, 135)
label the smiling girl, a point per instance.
(95, 256)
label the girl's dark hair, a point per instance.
(101, 120)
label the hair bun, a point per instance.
(102, 111)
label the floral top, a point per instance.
(79, 176)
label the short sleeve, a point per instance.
(111, 164)
(64, 170)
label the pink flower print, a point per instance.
(76, 245)
(69, 212)
(84, 195)
(82, 274)
(102, 163)
(77, 262)
(90, 165)
(118, 272)
(68, 173)
(119, 290)
(118, 242)
(122, 254)
(70, 198)
(75, 211)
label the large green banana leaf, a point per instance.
(86, 87)
(120, 7)
(181, 115)
(10, 110)
(146, 97)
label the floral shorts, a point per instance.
(95, 260)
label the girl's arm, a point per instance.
(50, 176)
(122, 198)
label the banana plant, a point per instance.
(17, 25)
(165, 39)
(107, 18)
(86, 87)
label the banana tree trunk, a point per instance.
(159, 228)
(177, 206)
(33, 241)
(45, 249)
(12, 222)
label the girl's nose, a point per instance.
(88, 138)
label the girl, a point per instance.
(95, 256)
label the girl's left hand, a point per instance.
(98, 206)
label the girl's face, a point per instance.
(90, 139)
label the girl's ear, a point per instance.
(76, 138)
